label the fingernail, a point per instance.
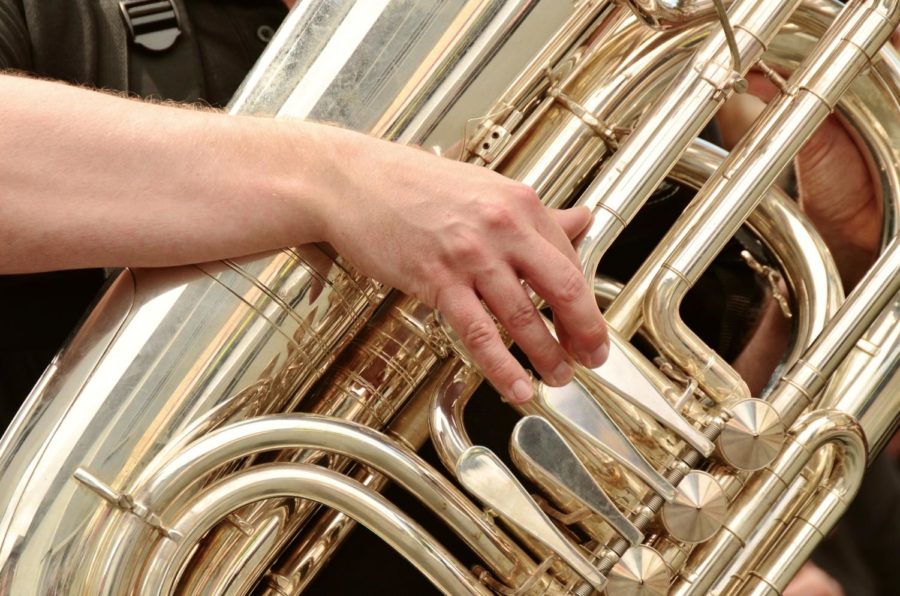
(598, 356)
(521, 391)
(562, 374)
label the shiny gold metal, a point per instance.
(640, 572)
(699, 509)
(752, 436)
(181, 439)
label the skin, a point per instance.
(812, 581)
(447, 233)
(121, 182)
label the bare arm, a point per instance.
(95, 180)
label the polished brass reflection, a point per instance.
(185, 436)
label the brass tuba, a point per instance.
(184, 438)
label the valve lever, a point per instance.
(622, 376)
(482, 473)
(543, 454)
(575, 410)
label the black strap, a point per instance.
(91, 42)
(163, 55)
(154, 25)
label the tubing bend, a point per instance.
(351, 440)
(318, 484)
(454, 388)
(636, 169)
(766, 488)
(799, 387)
(676, 340)
(748, 172)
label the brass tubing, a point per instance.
(633, 173)
(867, 107)
(800, 385)
(807, 528)
(307, 482)
(410, 428)
(728, 197)
(371, 380)
(448, 430)
(317, 545)
(771, 529)
(452, 392)
(868, 381)
(761, 494)
(667, 14)
(312, 548)
(533, 81)
(346, 438)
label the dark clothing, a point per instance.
(70, 40)
(39, 311)
(80, 42)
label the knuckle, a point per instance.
(497, 368)
(462, 247)
(479, 335)
(430, 283)
(523, 196)
(594, 335)
(571, 288)
(521, 316)
(497, 216)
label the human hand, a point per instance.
(812, 581)
(452, 234)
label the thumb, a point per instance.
(573, 221)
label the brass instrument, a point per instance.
(184, 437)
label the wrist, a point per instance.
(324, 166)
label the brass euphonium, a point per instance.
(184, 437)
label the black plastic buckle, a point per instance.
(152, 24)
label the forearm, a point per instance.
(90, 179)
(94, 180)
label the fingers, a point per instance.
(465, 314)
(508, 300)
(558, 281)
(572, 221)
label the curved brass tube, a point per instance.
(807, 527)
(448, 429)
(640, 164)
(728, 197)
(802, 383)
(306, 482)
(868, 381)
(337, 436)
(764, 490)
